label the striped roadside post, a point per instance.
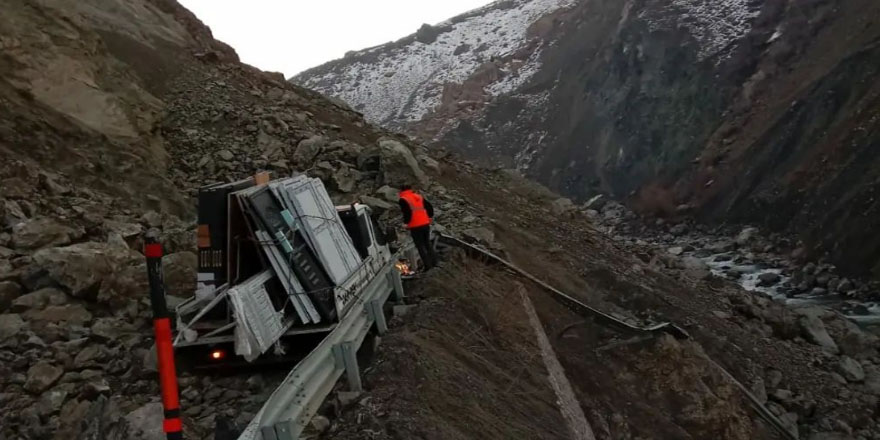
(172, 424)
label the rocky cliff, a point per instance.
(759, 111)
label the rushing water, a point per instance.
(857, 311)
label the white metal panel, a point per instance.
(255, 313)
(305, 310)
(321, 223)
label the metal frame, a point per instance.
(292, 405)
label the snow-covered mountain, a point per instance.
(744, 110)
(402, 82)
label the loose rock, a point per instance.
(42, 376)
(814, 330)
(851, 370)
(10, 325)
(40, 233)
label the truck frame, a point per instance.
(280, 268)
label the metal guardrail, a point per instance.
(293, 404)
(568, 301)
(603, 318)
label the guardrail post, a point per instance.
(376, 311)
(397, 285)
(280, 431)
(172, 424)
(268, 433)
(346, 357)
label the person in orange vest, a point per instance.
(418, 214)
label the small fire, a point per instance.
(404, 268)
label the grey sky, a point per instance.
(290, 36)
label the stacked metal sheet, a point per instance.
(303, 243)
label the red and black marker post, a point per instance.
(172, 424)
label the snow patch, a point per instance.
(407, 82)
(715, 24)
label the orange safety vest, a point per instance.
(417, 206)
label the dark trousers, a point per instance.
(422, 239)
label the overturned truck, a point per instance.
(279, 264)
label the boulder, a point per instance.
(42, 376)
(721, 247)
(850, 369)
(768, 279)
(68, 314)
(16, 188)
(39, 300)
(180, 270)
(379, 206)
(39, 233)
(428, 163)
(345, 179)
(88, 357)
(128, 283)
(679, 229)
(370, 159)
(398, 165)
(145, 423)
(345, 151)
(813, 329)
(81, 268)
(128, 231)
(110, 329)
(270, 146)
(49, 182)
(855, 342)
(388, 193)
(10, 214)
(320, 423)
(677, 250)
(9, 291)
(561, 207)
(746, 236)
(7, 272)
(308, 150)
(696, 268)
(225, 155)
(10, 325)
(51, 401)
(152, 219)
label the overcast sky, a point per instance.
(290, 36)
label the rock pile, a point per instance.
(849, 359)
(75, 331)
(757, 261)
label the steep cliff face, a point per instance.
(746, 110)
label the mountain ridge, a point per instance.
(676, 104)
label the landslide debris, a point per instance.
(114, 113)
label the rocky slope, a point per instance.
(745, 111)
(114, 112)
